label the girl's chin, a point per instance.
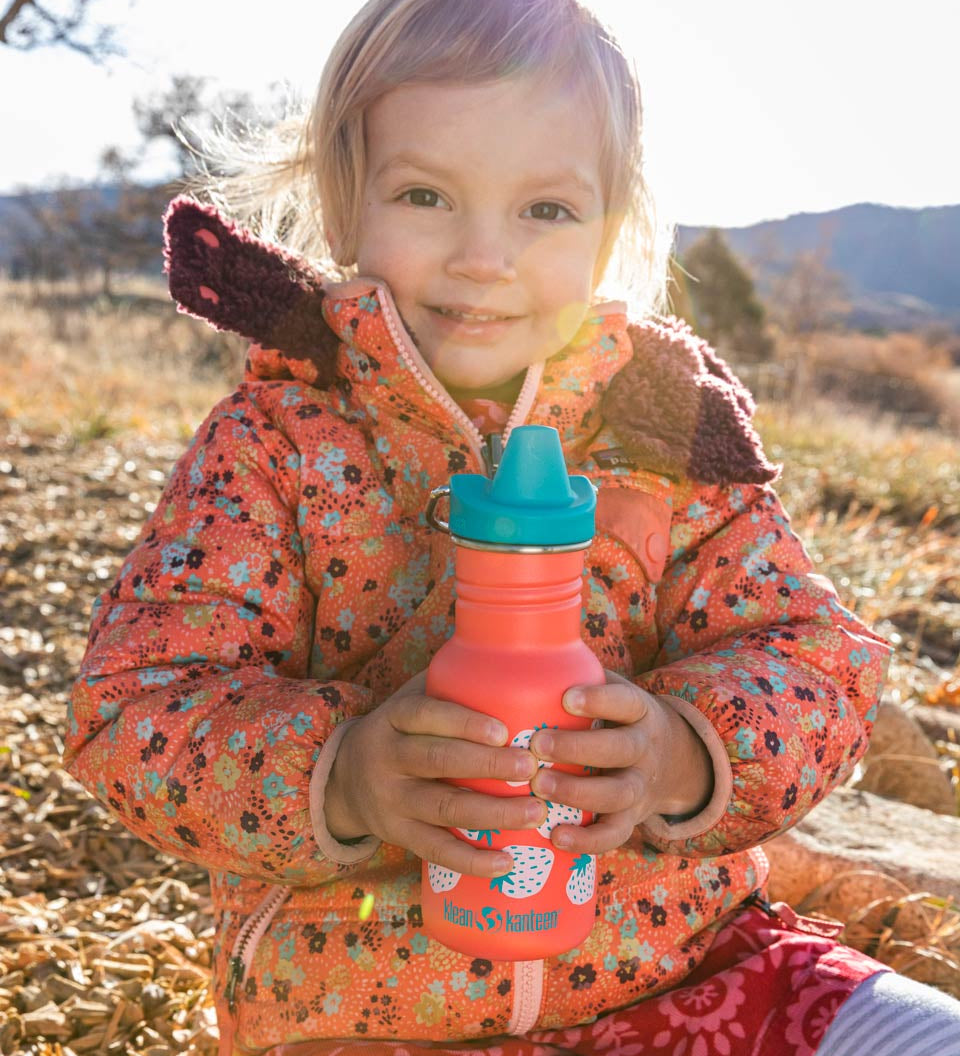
(501, 391)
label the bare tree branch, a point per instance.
(29, 24)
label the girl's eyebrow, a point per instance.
(571, 176)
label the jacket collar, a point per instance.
(672, 403)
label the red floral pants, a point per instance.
(769, 986)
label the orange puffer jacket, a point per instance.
(288, 582)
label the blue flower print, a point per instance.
(237, 740)
(145, 728)
(155, 676)
(302, 723)
(700, 598)
(745, 738)
(239, 573)
(274, 785)
(419, 943)
(173, 559)
(859, 657)
(696, 511)
(331, 1004)
(476, 989)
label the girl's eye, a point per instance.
(550, 211)
(422, 196)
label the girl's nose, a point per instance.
(482, 253)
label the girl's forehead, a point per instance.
(517, 118)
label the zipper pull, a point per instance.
(234, 976)
(492, 451)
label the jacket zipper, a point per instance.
(487, 451)
(528, 995)
(248, 939)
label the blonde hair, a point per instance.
(300, 183)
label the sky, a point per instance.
(753, 109)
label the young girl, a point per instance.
(252, 697)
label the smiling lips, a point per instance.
(465, 314)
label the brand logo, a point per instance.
(490, 919)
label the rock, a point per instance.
(856, 847)
(901, 763)
(937, 723)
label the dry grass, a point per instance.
(92, 367)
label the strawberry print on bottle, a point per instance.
(531, 868)
(442, 879)
(583, 879)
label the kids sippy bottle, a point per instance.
(516, 647)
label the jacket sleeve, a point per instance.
(193, 716)
(757, 653)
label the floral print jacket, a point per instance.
(288, 582)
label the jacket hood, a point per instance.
(674, 406)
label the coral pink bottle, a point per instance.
(515, 649)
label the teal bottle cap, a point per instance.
(531, 500)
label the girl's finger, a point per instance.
(446, 851)
(458, 808)
(619, 701)
(605, 834)
(416, 713)
(424, 756)
(603, 749)
(621, 790)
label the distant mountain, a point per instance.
(901, 266)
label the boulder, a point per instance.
(939, 724)
(874, 863)
(855, 847)
(901, 763)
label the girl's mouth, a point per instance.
(468, 316)
(465, 325)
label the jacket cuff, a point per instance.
(663, 827)
(345, 853)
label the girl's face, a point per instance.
(483, 213)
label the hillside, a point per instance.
(902, 266)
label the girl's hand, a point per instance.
(384, 780)
(651, 762)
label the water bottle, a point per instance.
(516, 648)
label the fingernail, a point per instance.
(544, 745)
(502, 863)
(573, 701)
(562, 839)
(534, 811)
(496, 732)
(546, 783)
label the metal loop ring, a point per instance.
(432, 519)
